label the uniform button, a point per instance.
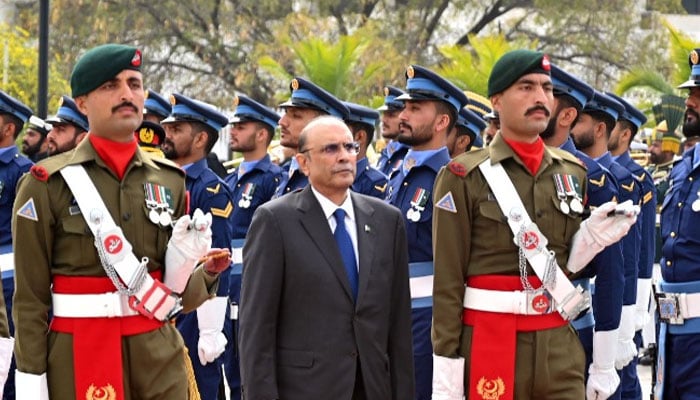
(353, 354)
(405, 183)
(126, 216)
(680, 204)
(539, 213)
(673, 234)
(690, 179)
(668, 263)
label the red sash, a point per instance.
(492, 359)
(97, 345)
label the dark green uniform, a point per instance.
(53, 239)
(475, 239)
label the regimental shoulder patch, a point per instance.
(28, 211)
(222, 212)
(39, 172)
(214, 189)
(457, 169)
(447, 203)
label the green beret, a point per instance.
(514, 64)
(101, 64)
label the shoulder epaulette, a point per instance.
(465, 163)
(52, 164)
(566, 156)
(164, 162)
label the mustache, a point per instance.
(405, 125)
(538, 108)
(689, 112)
(125, 104)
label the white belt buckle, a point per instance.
(574, 303)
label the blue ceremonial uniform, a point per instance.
(412, 193)
(391, 157)
(291, 182)
(606, 266)
(210, 194)
(680, 270)
(249, 191)
(369, 180)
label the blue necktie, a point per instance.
(342, 238)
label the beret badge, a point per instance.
(295, 84)
(694, 57)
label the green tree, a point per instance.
(19, 78)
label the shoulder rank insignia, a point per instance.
(222, 212)
(447, 203)
(457, 169)
(641, 177)
(380, 189)
(599, 182)
(647, 197)
(214, 189)
(629, 187)
(28, 210)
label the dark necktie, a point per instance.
(346, 250)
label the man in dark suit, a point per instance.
(311, 326)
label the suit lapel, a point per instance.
(366, 234)
(316, 225)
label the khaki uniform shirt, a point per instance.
(52, 238)
(475, 239)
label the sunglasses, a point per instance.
(332, 149)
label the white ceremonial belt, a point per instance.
(508, 302)
(674, 308)
(421, 286)
(570, 300)
(103, 305)
(237, 255)
(7, 262)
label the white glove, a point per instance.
(599, 231)
(448, 378)
(602, 377)
(626, 349)
(190, 241)
(641, 316)
(31, 386)
(210, 317)
(6, 346)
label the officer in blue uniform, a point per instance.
(13, 115)
(368, 180)
(598, 327)
(191, 131)
(482, 107)
(307, 102)
(466, 132)
(628, 124)
(34, 144)
(252, 184)
(679, 336)
(69, 127)
(391, 156)
(591, 135)
(431, 107)
(156, 107)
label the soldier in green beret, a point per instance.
(501, 307)
(105, 246)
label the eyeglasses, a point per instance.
(332, 149)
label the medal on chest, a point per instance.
(247, 195)
(418, 202)
(159, 203)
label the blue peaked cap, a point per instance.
(567, 84)
(306, 94)
(248, 109)
(631, 113)
(694, 62)
(424, 84)
(186, 109)
(471, 120)
(156, 104)
(68, 113)
(360, 113)
(12, 106)
(390, 102)
(606, 104)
